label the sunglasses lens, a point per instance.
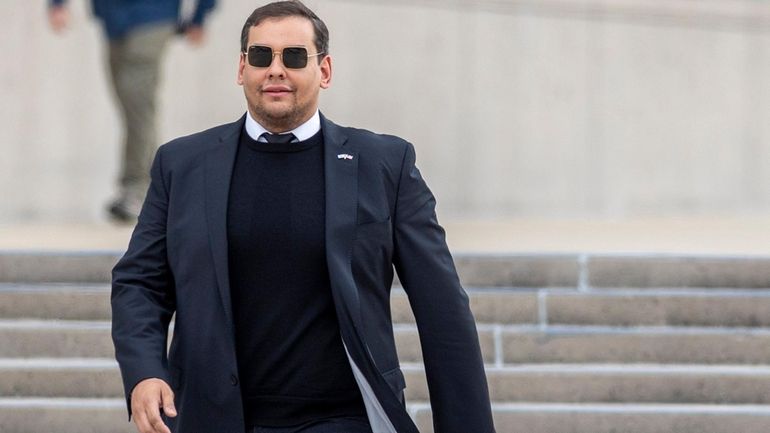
(259, 56)
(294, 57)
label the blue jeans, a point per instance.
(331, 425)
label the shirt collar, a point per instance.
(302, 132)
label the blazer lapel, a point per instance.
(219, 170)
(341, 178)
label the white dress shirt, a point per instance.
(302, 132)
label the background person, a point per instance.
(138, 32)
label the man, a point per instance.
(138, 32)
(273, 239)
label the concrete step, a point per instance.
(62, 267)
(592, 344)
(621, 418)
(676, 271)
(646, 307)
(647, 345)
(481, 270)
(71, 339)
(615, 383)
(499, 344)
(658, 307)
(55, 301)
(60, 378)
(613, 270)
(64, 415)
(100, 378)
(109, 416)
(619, 307)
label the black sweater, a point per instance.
(291, 360)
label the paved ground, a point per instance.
(744, 235)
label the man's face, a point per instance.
(280, 98)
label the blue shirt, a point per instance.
(120, 17)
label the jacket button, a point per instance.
(233, 380)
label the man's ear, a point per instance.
(326, 72)
(241, 66)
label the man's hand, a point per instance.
(195, 35)
(147, 398)
(58, 17)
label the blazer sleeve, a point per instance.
(143, 294)
(454, 366)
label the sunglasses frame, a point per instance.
(278, 53)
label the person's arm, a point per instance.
(194, 29)
(202, 9)
(58, 15)
(143, 302)
(454, 366)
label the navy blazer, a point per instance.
(380, 214)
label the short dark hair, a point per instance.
(282, 9)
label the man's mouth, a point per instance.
(277, 90)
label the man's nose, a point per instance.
(276, 68)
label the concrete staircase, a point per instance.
(572, 343)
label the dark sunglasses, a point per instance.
(261, 56)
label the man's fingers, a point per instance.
(147, 398)
(167, 401)
(195, 35)
(140, 416)
(153, 418)
(144, 419)
(58, 18)
(141, 421)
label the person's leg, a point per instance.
(135, 66)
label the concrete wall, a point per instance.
(540, 108)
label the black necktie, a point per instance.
(278, 138)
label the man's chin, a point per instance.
(279, 118)
(277, 110)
